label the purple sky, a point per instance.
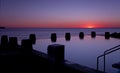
(53, 13)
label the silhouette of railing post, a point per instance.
(93, 34)
(26, 46)
(4, 42)
(115, 35)
(13, 43)
(119, 35)
(32, 37)
(56, 52)
(67, 36)
(107, 35)
(53, 37)
(81, 35)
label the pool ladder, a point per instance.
(106, 52)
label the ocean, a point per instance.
(82, 51)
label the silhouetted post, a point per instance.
(119, 35)
(32, 37)
(67, 36)
(93, 34)
(107, 35)
(53, 37)
(26, 46)
(114, 35)
(81, 35)
(13, 43)
(4, 42)
(56, 52)
(4, 39)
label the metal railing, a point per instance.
(106, 52)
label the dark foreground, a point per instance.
(37, 62)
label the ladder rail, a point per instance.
(106, 52)
(112, 48)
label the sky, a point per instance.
(60, 13)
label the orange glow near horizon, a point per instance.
(74, 24)
(90, 26)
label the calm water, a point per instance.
(81, 51)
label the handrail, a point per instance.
(106, 52)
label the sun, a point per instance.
(90, 26)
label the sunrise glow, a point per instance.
(90, 26)
(60, 13)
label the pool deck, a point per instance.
(38, 62)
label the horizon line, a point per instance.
(65, 27)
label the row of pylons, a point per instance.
(11, 43)
(68, 36)
(32, 38)
(113, 35)
(81, 35)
